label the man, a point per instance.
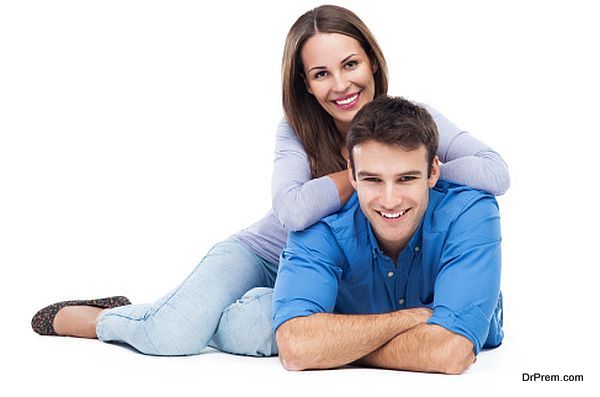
(407, 275)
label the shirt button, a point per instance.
(417, 248)
(390, 274)
(401, 301)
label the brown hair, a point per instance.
(394, 121)
(314, 127)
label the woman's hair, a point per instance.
(313, 125)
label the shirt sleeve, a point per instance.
(467, 160)
(298, 200)
(308, 276)
(467, 286)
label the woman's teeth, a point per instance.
(347, 100)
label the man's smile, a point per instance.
(393, 215)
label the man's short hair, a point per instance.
(394, 121)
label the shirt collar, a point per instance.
(414, 244)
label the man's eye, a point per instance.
(407, 178)
(371, 179)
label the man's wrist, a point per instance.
(413, 317)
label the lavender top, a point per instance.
(300, 201)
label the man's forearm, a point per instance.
(326, 340)
(424, 348)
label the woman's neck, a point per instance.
(342, 128)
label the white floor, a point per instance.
(57, 366)
(68, 367)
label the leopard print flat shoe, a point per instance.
(43, 320)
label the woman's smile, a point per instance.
(348, 101)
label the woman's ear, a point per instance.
(306, 84)
(374, 66)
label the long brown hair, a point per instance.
(315, 127)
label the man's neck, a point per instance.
(392, 249)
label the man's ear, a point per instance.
(435, 172)
(351, 175)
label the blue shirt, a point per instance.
(451, 265)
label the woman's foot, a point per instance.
(79, 321)
(74, 318)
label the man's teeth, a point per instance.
(347, 100)
(392, 215)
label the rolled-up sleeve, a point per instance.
(467, 286)
(308, 277)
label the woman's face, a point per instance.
(339, 74)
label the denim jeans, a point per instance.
(226, 301)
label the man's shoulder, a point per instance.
(449, 201)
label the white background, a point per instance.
(136, 134)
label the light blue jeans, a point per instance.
(226, 303)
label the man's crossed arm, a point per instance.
(397, 340)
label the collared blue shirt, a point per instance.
(450, 265)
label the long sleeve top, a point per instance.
(299, 201)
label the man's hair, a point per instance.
(394, 121)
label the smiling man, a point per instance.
(407, 275)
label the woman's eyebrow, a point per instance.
(323, 67)
(348, 57)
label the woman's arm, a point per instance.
(298, 200)
(468, 161)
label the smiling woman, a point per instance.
(344, 83)
(332, 66)
(330, 55)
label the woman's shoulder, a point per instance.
(432, 111)
(285, 130)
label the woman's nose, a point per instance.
(340, 83)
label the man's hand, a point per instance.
(420, 314)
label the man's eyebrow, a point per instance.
(361, 174)
(323, 67)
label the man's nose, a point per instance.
(390, 197)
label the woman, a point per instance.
(332, 66)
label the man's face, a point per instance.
(393, 190)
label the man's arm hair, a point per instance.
(424, 348)
(325, 340)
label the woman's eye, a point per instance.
(351, 64)
(319, 75)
